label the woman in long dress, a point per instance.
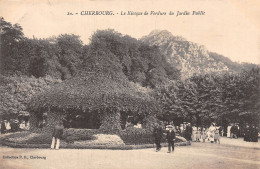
(198, 135)
(203, 135)
(217, 136)
(194, 133)
(212, 129)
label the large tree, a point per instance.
(10, 35)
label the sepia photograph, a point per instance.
(117, 84)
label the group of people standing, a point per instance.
(195, 134)
(158, 133)
(170, 132)
(251, 133)
(211, 134)
(12, 126)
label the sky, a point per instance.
(228, 27)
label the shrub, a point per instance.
(136, 136)
(71, 135)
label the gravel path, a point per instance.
(199, 155)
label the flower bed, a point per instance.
(103, 139)
(71, 135)
(133, 138)
(28, 138)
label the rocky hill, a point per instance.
(190, 57)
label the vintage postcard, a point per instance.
(117, 84)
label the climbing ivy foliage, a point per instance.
(97, 92)
(16, 92)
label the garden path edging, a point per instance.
(74, 146)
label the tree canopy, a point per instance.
(206, 98)
(65, 56)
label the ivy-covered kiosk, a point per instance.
(92, 101)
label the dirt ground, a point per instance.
(198, 155)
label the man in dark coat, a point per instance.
(188, 132)
(232, 131)
(170, 138)
(57, 135)
(235, 131)
(247, 133)
(158, 133)
(3, 128)
(254, 134)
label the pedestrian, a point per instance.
(139, 125)
(12, 125)
(207, 133)
(178, 131)
(198, 135)
(8, 126)
(57, 135)
(158, 133)
(16, 125)
(222, 131)
(203, 135)
(170, 138)
(181, 130)
(194, 133)
(247, 133)
(22, 125)
(3, 127)
(217, 136)
(235, 131)
(232, 131)
(254, 134)
(212, 129)
(250, 138)
(229, 131)
(188, 132)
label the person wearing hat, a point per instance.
(158, 133)
(170, 138)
